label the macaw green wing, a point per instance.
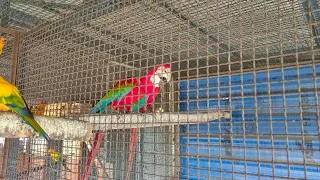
(120, 90)
(11, 98)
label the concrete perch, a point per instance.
(12, 126)
(125, 121)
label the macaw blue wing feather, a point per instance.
(139, 104)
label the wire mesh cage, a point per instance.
(190, 89)
(8, 59)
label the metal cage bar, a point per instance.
(242, 100)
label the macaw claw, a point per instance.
(159, 111)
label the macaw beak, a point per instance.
(166, 77)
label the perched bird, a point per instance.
(56, 157)
(2, 43)
(11, 99)
(133, 95)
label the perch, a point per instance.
(12, 126)
(125, 121)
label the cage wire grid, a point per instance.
(8, 60)
(255, 60)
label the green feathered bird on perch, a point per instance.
(12, 100)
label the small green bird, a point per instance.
(56, 157)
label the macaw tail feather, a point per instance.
(100, 108)
(36, 127)
(27, 116)
(96, 109)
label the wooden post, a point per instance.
(15, 54)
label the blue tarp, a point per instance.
(253, 112)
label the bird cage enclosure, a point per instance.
(233, 89)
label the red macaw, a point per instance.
(133, 95)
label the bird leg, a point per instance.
(150, 106)
(143, 109)
(147, 108)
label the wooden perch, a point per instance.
(12, 126)
(125, 121)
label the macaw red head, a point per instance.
(160, 73)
